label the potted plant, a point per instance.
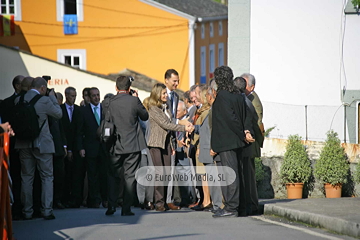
(332, 167)
(296, 167)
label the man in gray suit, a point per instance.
(125, 111)
(39, 153)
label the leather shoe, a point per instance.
(173, 206)
(193, 205)
(50, 217)
(198, 208)
(224, 213)
(149, 206)
(160, 209)
(127, 213)
(105, 204)
(110, 211)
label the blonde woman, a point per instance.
(159, 141)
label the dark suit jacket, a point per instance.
(6, 107)
(229, 120)
(125, 113)
(87, 139)
(71, 129)
(57, 132)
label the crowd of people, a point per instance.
(69, 164)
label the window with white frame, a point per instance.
(69, 7)
(220, 28)
(73, 57)
(211, 29)
(221, 54)
(211, 58)
(11, 7)
(203, 61)
(202, 31)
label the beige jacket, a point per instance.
(159, 126)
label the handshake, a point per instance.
(189, 127)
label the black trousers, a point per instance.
(252, 201)
(15, 173)
(97, 178)
(234, 193)
(76, 169)
(59, 178)
(129, 164)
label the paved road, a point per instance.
(184, 224)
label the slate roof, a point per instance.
(197, 8)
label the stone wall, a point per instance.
(272, 157)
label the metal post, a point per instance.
(344, 123)
(306, 127)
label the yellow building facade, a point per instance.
(141, 35)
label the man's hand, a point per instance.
(135, 93)
(184, 122)
(181, 142)
(212, 153)
(52, 93)
(189, 127)
(7, 128)
(248, 137)
(198, 152)
(82, 153)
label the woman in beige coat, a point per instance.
(159, 141)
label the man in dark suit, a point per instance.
(15, 168)
(249, 153)
(125, 154)
(75, 167)
(172, 82)
(93, 150)
(39, 152)
(57, 132)
(230, 125)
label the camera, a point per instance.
(48, 90)
(131, 92)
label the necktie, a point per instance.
(172, 102)
(70, 113)
(96, 115)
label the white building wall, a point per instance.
(14, 63)
(296, 57)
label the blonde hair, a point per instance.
(155, 95)
(146, 103)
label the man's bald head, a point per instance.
(17, 83)
(26, 83)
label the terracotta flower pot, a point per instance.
(333, 191)
(294, 190)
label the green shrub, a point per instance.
(259, 170)
(332, 166)
(296, 167)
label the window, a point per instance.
(211, 30)
(211, 58)
(73, 57)
(11, 7)
(202, 31)
(203, 64)
(220, 28)
(221, 54)
(69, 7)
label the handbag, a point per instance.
(107, 130)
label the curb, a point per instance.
(334, 224)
